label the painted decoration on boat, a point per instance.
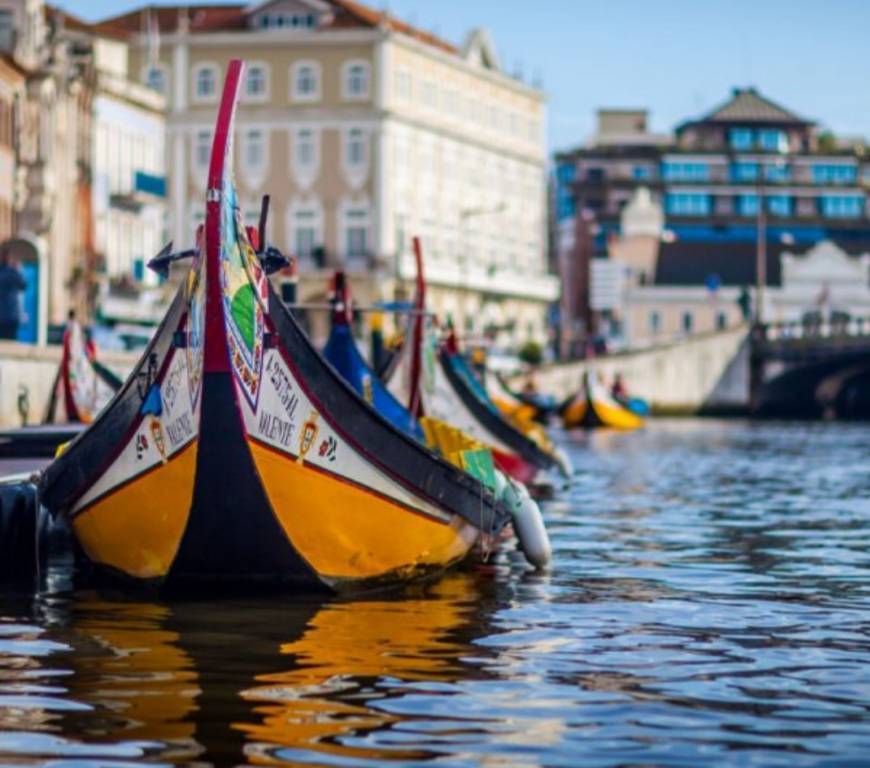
(287, 420)
(244, 291)
(194, 345)
(168, 424)
(87, 392)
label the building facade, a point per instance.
(11, 90)
(52, 241)
(129, 187)
(365, 132)
(85, 137)
(713, 178)
(804, 284)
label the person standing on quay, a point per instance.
(11, 284)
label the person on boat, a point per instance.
(618, 391)
(12, 283)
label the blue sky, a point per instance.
(676, 57)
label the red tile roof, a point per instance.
(347, 14)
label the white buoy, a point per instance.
(528, 524)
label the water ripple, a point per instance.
(708, 605)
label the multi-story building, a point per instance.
(711, 178)
(90, 163)
(11, 88)
(52, 202)
(365, 131)
(129, 189)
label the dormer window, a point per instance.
(291, 20)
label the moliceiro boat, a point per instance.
(594, 407)
(236, 452)
(81, 389)
(436, 381)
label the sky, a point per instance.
(677, 58)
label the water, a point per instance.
(708, 606)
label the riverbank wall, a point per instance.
(703, 374)
(27, 373)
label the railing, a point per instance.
(836, 328)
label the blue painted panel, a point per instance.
(28, 331)
(149, 184)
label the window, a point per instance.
(773, 140)
(777, 172)
(741, 139)
(842, 206)
(356, 233)
(356, 80)
(747, 205)
(7, 31)
(306, 81)
(255, 149)
(641, 172)
(202, 150)
(205, 82)
(155, 79)
(655, 321)
(744, 171)
(428, 95)
(688, 322)
(292, 20)
(834, 173)
(304, 232)
(779, 205)
(685, 171)
(355, 149)
(401, 232)
(257, 82)
(403, 85)
(306, 150)
(688, 204)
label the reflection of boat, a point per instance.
(260, 681)
(235, 451)
(316, 708)
(134, 676)
(438, 382)
(594, 407)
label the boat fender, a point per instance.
(528, 524)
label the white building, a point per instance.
(365, 131)
(129, 187)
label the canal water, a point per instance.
(708, 605)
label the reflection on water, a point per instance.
(708, 604)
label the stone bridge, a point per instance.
(812, 369)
